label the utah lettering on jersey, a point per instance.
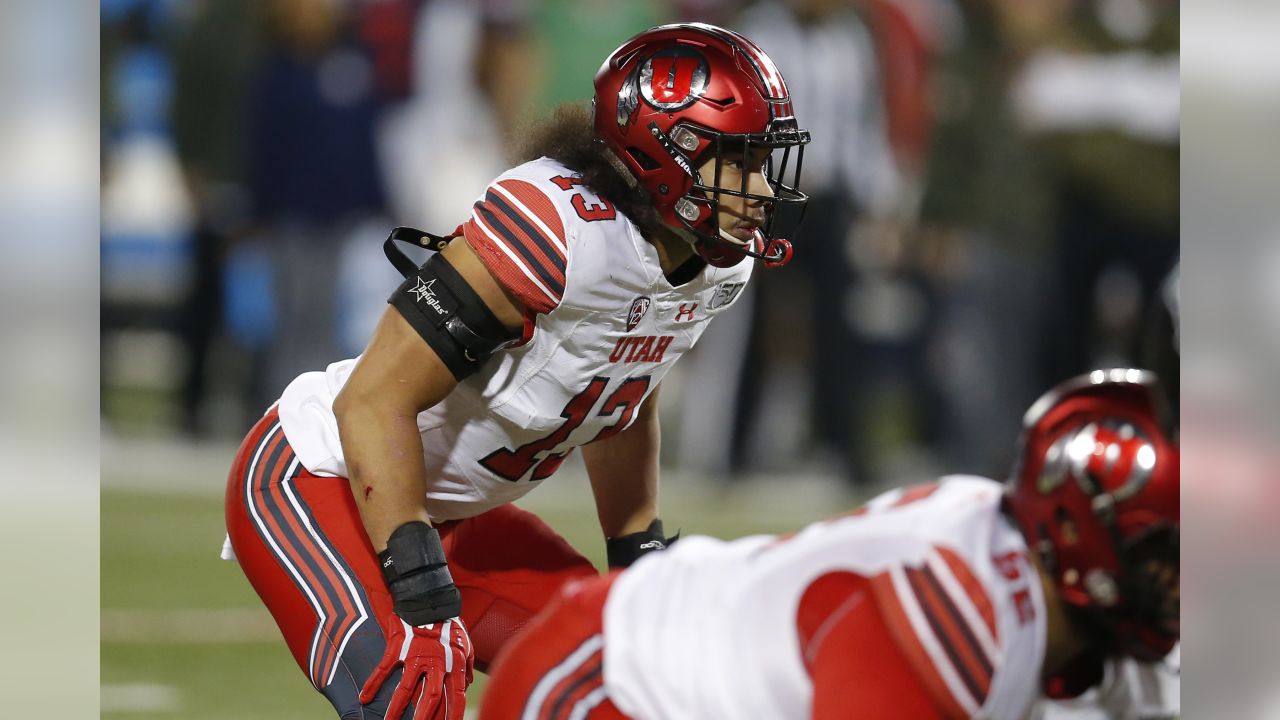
(640, 348)
(1008, 564)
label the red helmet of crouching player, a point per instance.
(675, 96)
(1096, 493)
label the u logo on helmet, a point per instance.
(673, 78)
(1096, 450)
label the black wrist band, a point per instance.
(420, 605)
(626, 549)
(418, 576)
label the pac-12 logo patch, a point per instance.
(639, 307)
(673, 78)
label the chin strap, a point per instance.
(777, 252)
(774, 252)
(616, 163)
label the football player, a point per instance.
(962, 598)
(371, 507)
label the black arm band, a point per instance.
(417, 575)
(624, 550)
(450, 316)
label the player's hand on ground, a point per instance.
(438, 663)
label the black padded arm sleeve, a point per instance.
(439, 304)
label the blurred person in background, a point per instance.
(570, 34)
(1162, 337)
(446, 69)
(147, 218)
(215, 48)
(313, 174)
(984, 220)
(961, 598)
(805, 331)
(716, 12)
(371, 507)
(466, 69)
(1049, 212)
(1098, 94)
(464, 76)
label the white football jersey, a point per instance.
(1130, 690)
(604, 327)
(708, 629)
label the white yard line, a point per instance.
(200, 469)
(225, 625)
(139, 698)
(176, 466)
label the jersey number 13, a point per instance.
(515, 464)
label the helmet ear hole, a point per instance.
(642, 159)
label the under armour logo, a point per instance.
(685, 312)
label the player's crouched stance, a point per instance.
(958, 599)
(371, 508)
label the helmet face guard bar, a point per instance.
(1149, 624)
(1145, 624)
(782, 176)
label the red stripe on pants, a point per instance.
(507, 563)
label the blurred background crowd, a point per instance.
(995, 207)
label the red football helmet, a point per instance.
(676, 95)
(1096, 494)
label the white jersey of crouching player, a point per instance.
(1130, 690)
(714, 629)
(961, 598)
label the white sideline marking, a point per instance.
(222, 626)
(139, 697)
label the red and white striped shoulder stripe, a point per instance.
(518, 234)
(944, 621)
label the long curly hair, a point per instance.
(568, 136)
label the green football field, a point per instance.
(184, 636)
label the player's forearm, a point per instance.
(624, 477)
(383, 452)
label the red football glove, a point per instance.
(438, 665)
